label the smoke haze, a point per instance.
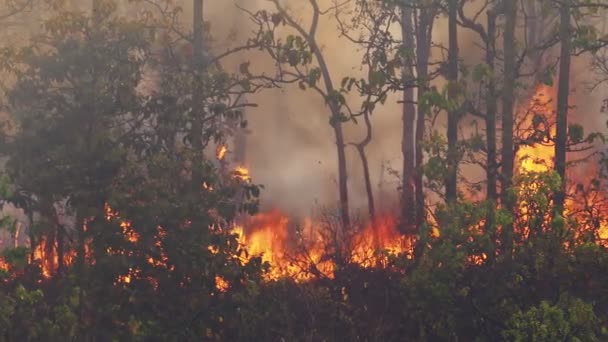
(291, 147)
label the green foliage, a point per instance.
(568, 320)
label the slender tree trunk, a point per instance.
(562, 104)
(366, 176)
(371, 207)
(508, 98)
(491, 167)
(342, 176)
(30, 232)
(423, 49)
(80, 271)
(368, 185)
(533, 33)
(48, 260)
(408, 138)
(337, 126)
(60, 249)
(83, 207)
(491, 108)
(197, 99)
(451, 190)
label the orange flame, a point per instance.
(221, 152)
(309, 250)
(539, 157)
(4, 266)
(242, 173)
(221, 284)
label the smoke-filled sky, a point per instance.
(291, 149)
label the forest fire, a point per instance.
(538, 157)
(313, 248)
(304, 170)
(310, 248)
(300, 253)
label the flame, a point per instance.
(268, 236)
(371, 245)
(127, 230)
(306, 253)
(539, 157)
(242, 173)
(221, 152)
(221, 284)
(4, 266)
(47, 256)
(311, 249)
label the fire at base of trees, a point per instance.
(131, 209)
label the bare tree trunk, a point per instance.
(33, 242)
(197, 105)
(562, 104)
(80, 271)
(342, 175)
(16, 234)
(366, 176)
(336, 122)
(533, 33)
(60, 249)
(491, 108)
(508, 98)
(491, 167)
(408, 139)
(423, 50)
(81, 221)
(451, 190)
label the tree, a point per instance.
(96, 138)
(570, 319)
(408, 139)
(298, 51)
(409, 53)
(451, 181)
(425, 23)
(508, 100)
(487, 76)
(565, 33)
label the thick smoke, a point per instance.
(291, 148)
